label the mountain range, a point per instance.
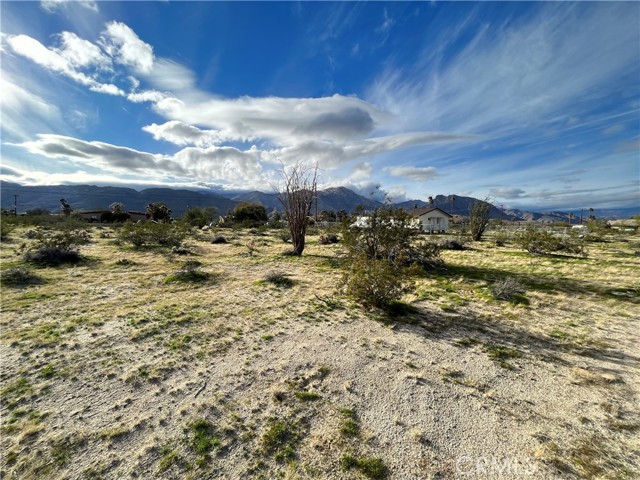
(91, 197)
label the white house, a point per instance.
(432, 220)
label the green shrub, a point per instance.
(5, 227)
(152, 234)
(500, 238)
(543, 242)
(375, 283)
(56, 247)
(190, 273)
(198, 217)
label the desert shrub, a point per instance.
(190, 272)
(20, 276)
(279, 279)
(151, 233)
(198, 217)
(56, 247)
(451, 244)
(285, 236)
(508, 288)
(375, 283)
(381, 256)
(598, 230)
(543, 242)
(328, 239)
(219, 239)
(182, 249)
(5, 228)
(500, 238)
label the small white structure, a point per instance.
(432, 220)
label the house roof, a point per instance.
(418, 212)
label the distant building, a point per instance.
(431, 220)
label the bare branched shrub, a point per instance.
(296, 193)
(479, 213)
(508, 289)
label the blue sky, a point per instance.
(536, 105)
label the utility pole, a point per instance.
(501, 212)
(581, 215)
(15, 205)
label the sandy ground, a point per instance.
(106, 368)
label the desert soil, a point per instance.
(107, 369)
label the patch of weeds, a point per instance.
(267, 337)
(180, 343)
(279, 279)
(169, 457)
(219, 239)
(307, 396)
(467, 342)
(370, 467)
(203, 440)
(281, 439)
(125, 262)
(458, 377)
(48, 371)
(350, 427)
(13, 393)
(113, 433)
(501, 355)
(63, 449)
(20, 277)
(593, 458)
(560, 334)
(190, 273)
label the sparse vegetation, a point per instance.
(370, 467)
(243, 377)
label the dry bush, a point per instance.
(328, 239)
(20, 276)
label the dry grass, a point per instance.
(124, 364)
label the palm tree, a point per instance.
(570, 217)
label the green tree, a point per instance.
(199, 216)
(158, 212)
(250, 213)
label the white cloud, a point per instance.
(418, 174)
(81, 53)
(152, 96)
(169, 75)
(362, 171)
(182, 134)
(53, 5)
(60, 61)
(229, 165)
(18, 103)
(126, 48)
(507, 192)
(515, 76)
